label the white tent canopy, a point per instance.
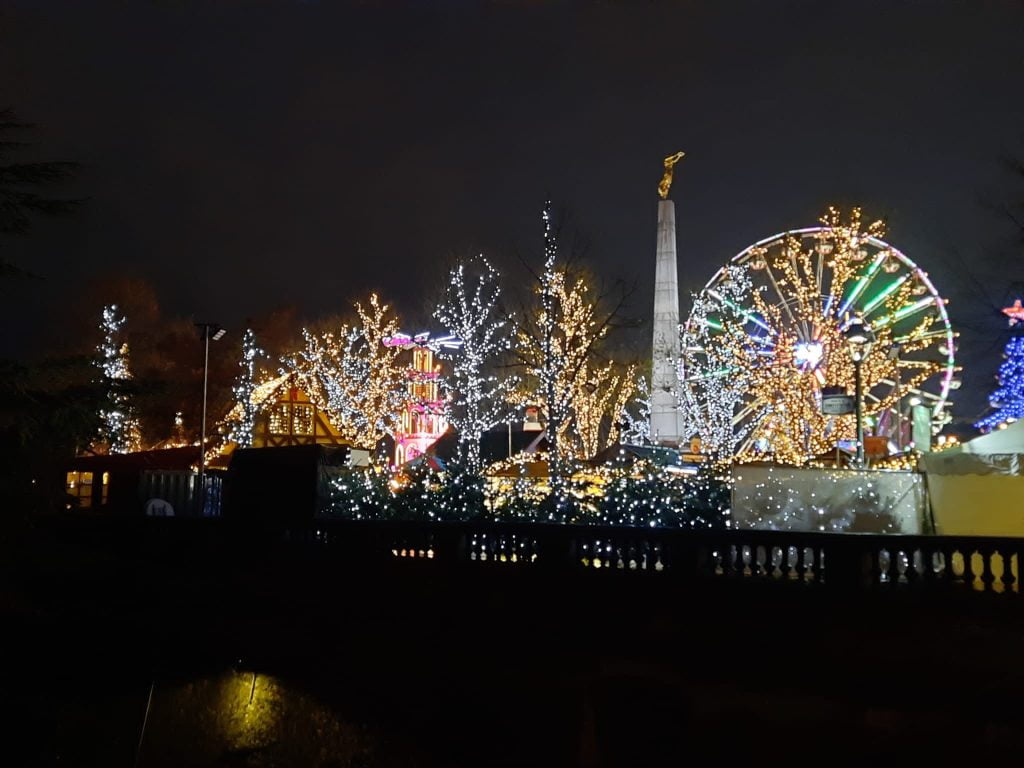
(974, 488)
(1000, 452)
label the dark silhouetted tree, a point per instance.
(23, 185)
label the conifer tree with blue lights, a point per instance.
(1007, 400)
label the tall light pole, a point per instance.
(208, 331)
(859, 338)
(894, 354)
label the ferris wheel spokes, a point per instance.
(761, 342)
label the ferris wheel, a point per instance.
(765, 339)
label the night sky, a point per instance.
(244, 156)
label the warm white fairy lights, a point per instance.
(355, 376)
(620, 492)
(557, 344)
(765, 338)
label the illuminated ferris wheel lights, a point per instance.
(910, 309)
(806, 296)
(746, 313)
(808, 354)
(884, 294)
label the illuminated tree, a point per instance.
(354, 376)
(558, 341)
(119, 429)
(600, 398)
(477, 397)
(636, 415)
(240, 429)
(1007, 399)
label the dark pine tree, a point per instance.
(22, 184)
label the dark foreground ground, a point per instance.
(263, 653)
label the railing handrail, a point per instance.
(832, 560)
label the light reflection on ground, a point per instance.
(245, 718)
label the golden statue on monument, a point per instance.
(666, 180)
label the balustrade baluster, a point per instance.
(803, 568)
(988, 576)
(915, 566)
(935, 570)
(966, 577)
(883, 566)
(718, 561)
(1006, 578)
(776, 561)
(1009, 564)
(659, 557)
(901, 564)
(949, 569)
(761, 561)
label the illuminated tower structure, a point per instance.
(666, 421)
(423, 420)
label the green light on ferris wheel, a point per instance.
(912, 308)
(746, 313)
(861, 284)
(906, 311)
(884, 294)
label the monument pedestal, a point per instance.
(666, 424)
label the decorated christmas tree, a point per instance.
(241, 429)
(119, 430)
(1007, 400)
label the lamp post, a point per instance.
(859, 338)
(208, 331)
(894, 354)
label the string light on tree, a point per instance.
(1007, 400)
(640, 494)
(557, 344)
(240, 429)
(636, 415)
(476, 396)
(119, 425)
(355, 376)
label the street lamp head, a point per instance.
(211, 331)
(859, 338)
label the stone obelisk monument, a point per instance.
(666, 424)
